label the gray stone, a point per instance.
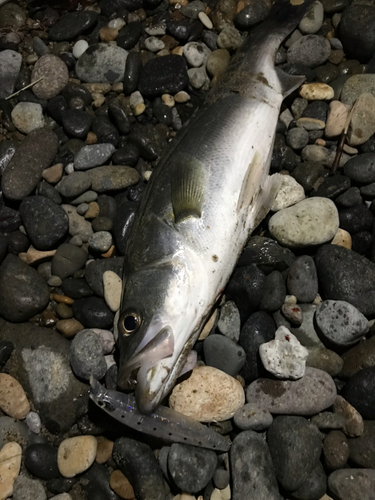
(229, 322)
(224, 354)
(25, 488)
(102, 63)
(93, 156)
(309, 50)
(12, 16)
(10, 65)
(28, 116)
(112, 178)
(302, 279)
(250, 417)
(67, 260)
(352, 484)
(101, 241)
(78, 225)
(313, 19)
(74, 184)
(94, 272)
(357, 85)
(54, 74)
(86, 355)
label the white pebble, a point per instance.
(290, 192)
(27, 116)
(112, 290)
(69, 169)
(135, 99)
(205, 20)
(154, 44)
(33, 422)
(117, 23)
(79, 48)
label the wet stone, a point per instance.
(93, 156)
(46, 223)
(222, 353)
(332, 186)
(307, 174)
(95, 270)
(93, 312)
(76, 123)
(41, 460)
(86, 355)
(190, 467)
(72, 25)
(112, 177)
(355, 31)
(302, 280)
(132, 71)
(67, 260)
(167, 74)
(129, 35)
(105, 131)
(54, 74)
(251, 14)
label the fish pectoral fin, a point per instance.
(289, 83)
(265, 198)
(187, 188)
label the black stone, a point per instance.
(119, 116)
(45, 190)
(28, 96)
(359, 391)
(332, 186)
(110, 7)
(147, 140)
(18, 242)
(356, 219)
(307, 174)
(224, 354)
(314, 486)
(349, 198)
(361, 242)
(345, 275)
(283, 156)
(94, 272)
(72, 25)
(317, 110)
(162, 112)
(357, 32)
(56, 107)
(190, 467)
(76, 90)
(7, 150)
(46, 223)
(96, 483)
(258, 329)
(265, 252)
(67, 260)
(274, 292)
(6, 349)
(93, 312)
(298, 69)
(60, 485)
(10, 219)
(41, 461)
(107, 206)
(161, 75)
(361, 168)
(76, 123)
(128, 37)
(302, 280)
(180, 30)
(251, 15)
(105, 130)
(76, 288)
(133, 68)
(127, 155)
(368, 192)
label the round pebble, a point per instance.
(54, 74)
(27, 116)
(252, 417)
(79, 48)
(101, 241)
(76, 454)
(86, 355)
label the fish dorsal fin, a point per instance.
(288, 83)
(187, 187)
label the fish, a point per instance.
(204, 198)
(164, 423)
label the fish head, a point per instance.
(157, 319)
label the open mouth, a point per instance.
(160, 347)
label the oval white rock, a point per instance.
(76, 454)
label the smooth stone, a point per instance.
(251, 14)
(314, 486)
(297, 138)
(335, 450)
(328, 421)
(313, 19)
(75, 455)
(78, 225)
(129, 35)
(355, 86)
(191, 468)
(340, 322)
(86, 355)
(295, 446)
(74, 184)
(356, 219)
(361, 168)
(252, 469)
(361, 450)
(274, 292)
(161, 75)
(322, 155)
(310, 222)
(208, 395)
(229, 322)
(346, 275)
(316, 91)
(358, 357)
(55, 76)
(110, 177)
(76, 123)
(112, 285)
(10, 464)
(46, 223)
(325, 359)
(310, 50)
(289, 193)
(284, 356)
(25, 488)
(336, 120)
(229, 38)
(23, 291)
(76, 288)
(69, 327)
(217, 62)
(100, 241)
(41, 460)
(53, 391)
(353, 424)
(302, 280)
(362, 123)
(224, 354)
(10, 65)
(93, 312)
(13, 400)
(349, 198)
(95, 270)
(72, 24)
(221, 478)
(25, 169)
(121, 485)
(359, 391)
(309, 395)
(265, 251)
(250, 417)
(196, 53)
(306, 332)
(28, 116)
(351, 484)
(79, 48)
(93, 156)
(67, 260)
(355, 31)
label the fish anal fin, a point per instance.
(253, 174)
(187, 188)
(288, 83)
(264, 200)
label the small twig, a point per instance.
(24, 88)
(341, 143)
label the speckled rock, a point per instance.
(102, 63)
(55, 76)
(208, 395)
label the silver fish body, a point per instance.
(164, 423)
(204, 199)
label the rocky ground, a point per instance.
(91, 93)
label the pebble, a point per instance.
(309, 50)
(161, 75)
(191, 468)
(297, 138)
(346, 275)
(359, 392)
(361, 168)
(313, 19)
(361, 450)
(78, 225)
(41, 460)
(362, 123)
(27, 116)
(342, 238)
(274, 292)
(355, 22)
(252, 468)
(337, 118)
(217, 62)
(284, 356)
(54, 74)
(93, 156)
(250, 417)
(229, 38)
(104, 450)
(86, 355)
(25, 488)
(224, 354)
(72, 24)
(154, 44)
(13, 400)
(24, 170)
(79, 48)
(322, 155)
(69, 327)
(76, 123)
(10, 464)
(120, 485)
(75, 455)
(33, 422)
(196, 53)
(205, 20)
(360, 356)
(350, 484)
(112, 285)
(53, 174)
(302, 280)
(74, 184)
(355, 86)
(295, 446)
(289, 193)
(110, 177)
(229, 322)
(335, 450)
(102, 63)
(67, 260)
(312, 393)
(137, 461)
(208, 395)
(310, 222)
(95, 270)
(23, 291)
(316, 91)
(10, 65)
(93, 312)
(100, 242)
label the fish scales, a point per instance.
(201, 204)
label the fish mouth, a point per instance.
(134, 374)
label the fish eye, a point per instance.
(130, 322)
